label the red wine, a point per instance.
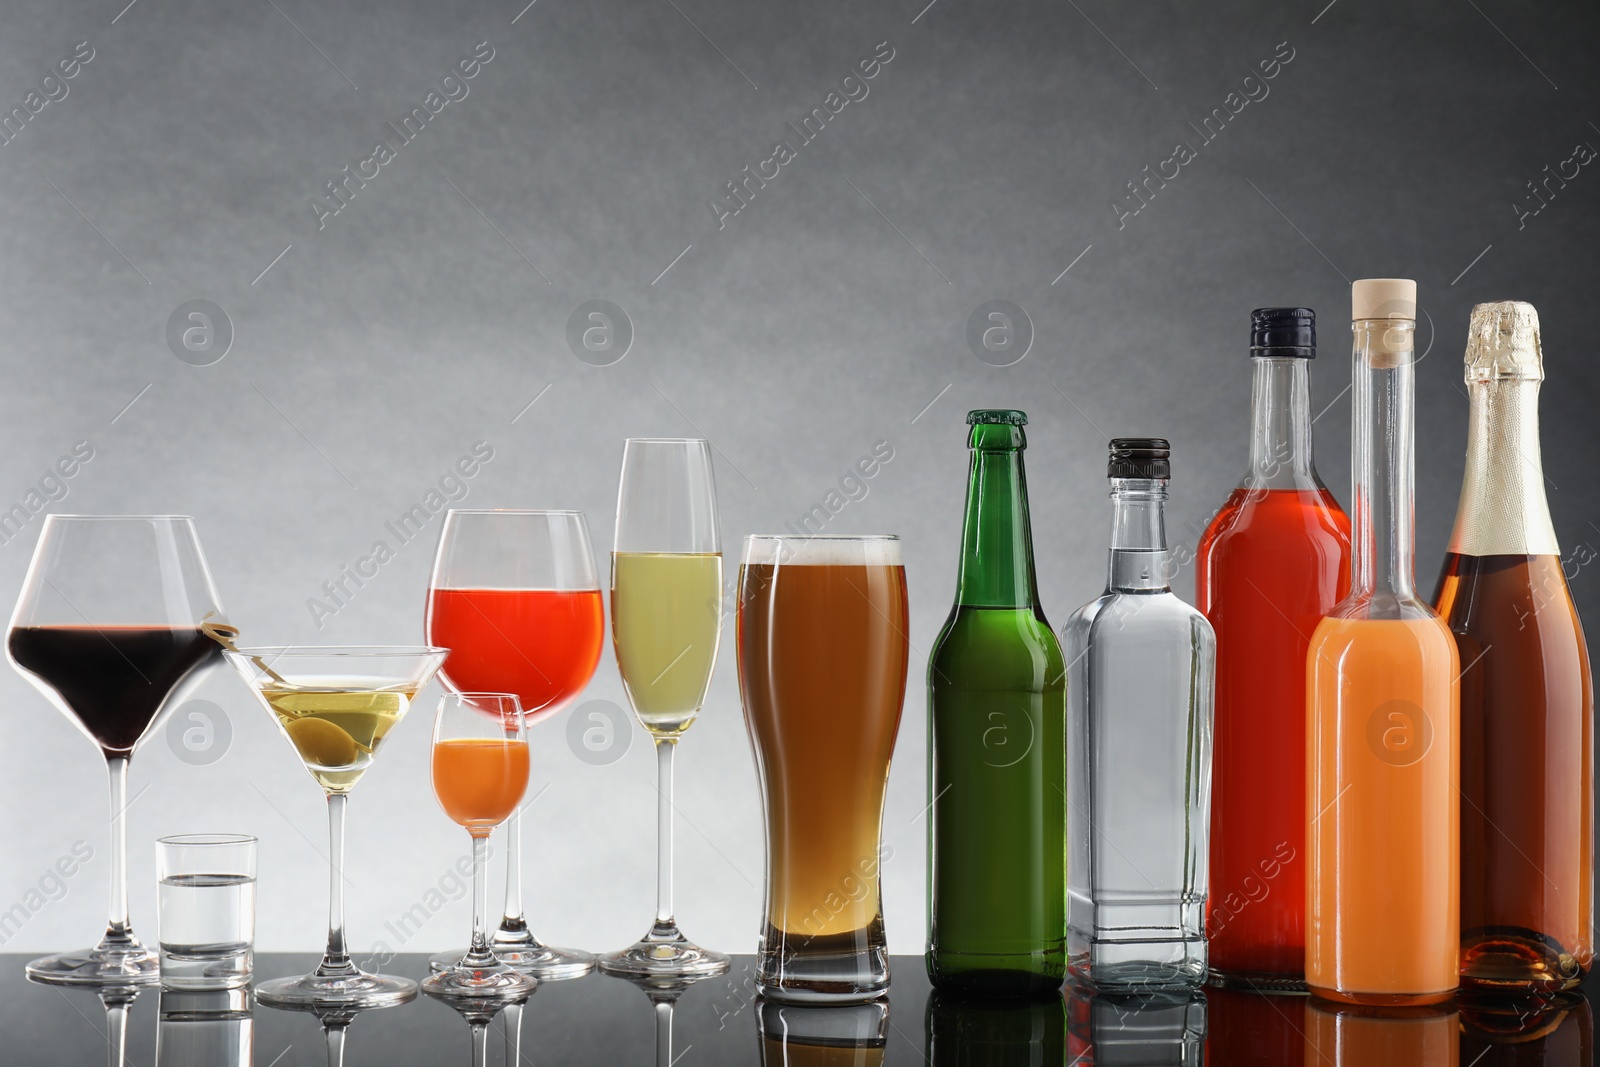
(115, 679)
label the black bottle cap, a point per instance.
(1283, 332)
(1140, 457)
(997, 417)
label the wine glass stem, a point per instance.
(664, 749)
(480, 1044)
(335, 1037)
(479, 955)
(337, 959)
(513, 919)
(117, 924)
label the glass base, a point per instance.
(528, 955)
(664, 953)
(352, 992)
(495, 980)
(107, 964)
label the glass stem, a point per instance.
(664, 920)
(480, 1045)
(337, 959)
(513, 1025)
(117, 930)
(664, 1033)
(117, 1028)
(479, 956)
(335, 1035)
(513, 921)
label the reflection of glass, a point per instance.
(1020, 1032)
(206, 907)
(108, 627)
(793, 1035)
(666, 621)
(336, 705)
(205, 1029)
(1136, 1030)
(1246, 1029)
(663, 994)
(1352, 1036)
(823, 652)
(480, 1011)
(480, 772)
(1548, 1030)
(515, 597)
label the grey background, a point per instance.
(826, 316)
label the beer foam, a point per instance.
(771, 550)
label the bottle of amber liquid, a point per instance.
(1527, 711)
(1273, 562)
(1382, 844)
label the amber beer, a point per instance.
(822, 646)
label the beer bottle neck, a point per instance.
(1280, 418)
(997, 541)
(1138, 536)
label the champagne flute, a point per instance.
(336, 705)
(109, 628)
(480, 773)
(666, 618)
(515, 597)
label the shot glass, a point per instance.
(207, 910)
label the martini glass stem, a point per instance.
(337, 959)
(478, 955)
(117, 931)
(664, 919)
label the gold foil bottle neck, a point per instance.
(1503, 343)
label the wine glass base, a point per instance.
(355, 992)
(664, 958)
(544, 962)
(497, 982)
(100, 966)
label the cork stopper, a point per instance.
(1503, 343)
(1383, 298)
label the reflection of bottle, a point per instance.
(1361, 1036)
(211, 1028)
(1139, 748)
(1381, 805)
(964, 1031)
(1272, 563)
(1116, 1030)
(996, 747)
(1549, 1030)
(1246, 1029)
(1527, 711)
(852, 1035)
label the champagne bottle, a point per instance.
(1527, 711)
(996, 746)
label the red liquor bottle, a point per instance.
(1271, 564)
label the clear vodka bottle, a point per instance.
(1140, 671)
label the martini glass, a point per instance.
(336, 705)
(111, 626)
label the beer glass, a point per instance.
(823, 651)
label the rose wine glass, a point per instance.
(109, 628)
(516, 599)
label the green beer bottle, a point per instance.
(996, 747)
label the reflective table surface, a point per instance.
(603, 1020)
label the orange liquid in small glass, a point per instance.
(479, 782)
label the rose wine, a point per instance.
(541, 644)
(1527, 704)
(114, 679)
(1273, 562)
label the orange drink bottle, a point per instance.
(1382, 746)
